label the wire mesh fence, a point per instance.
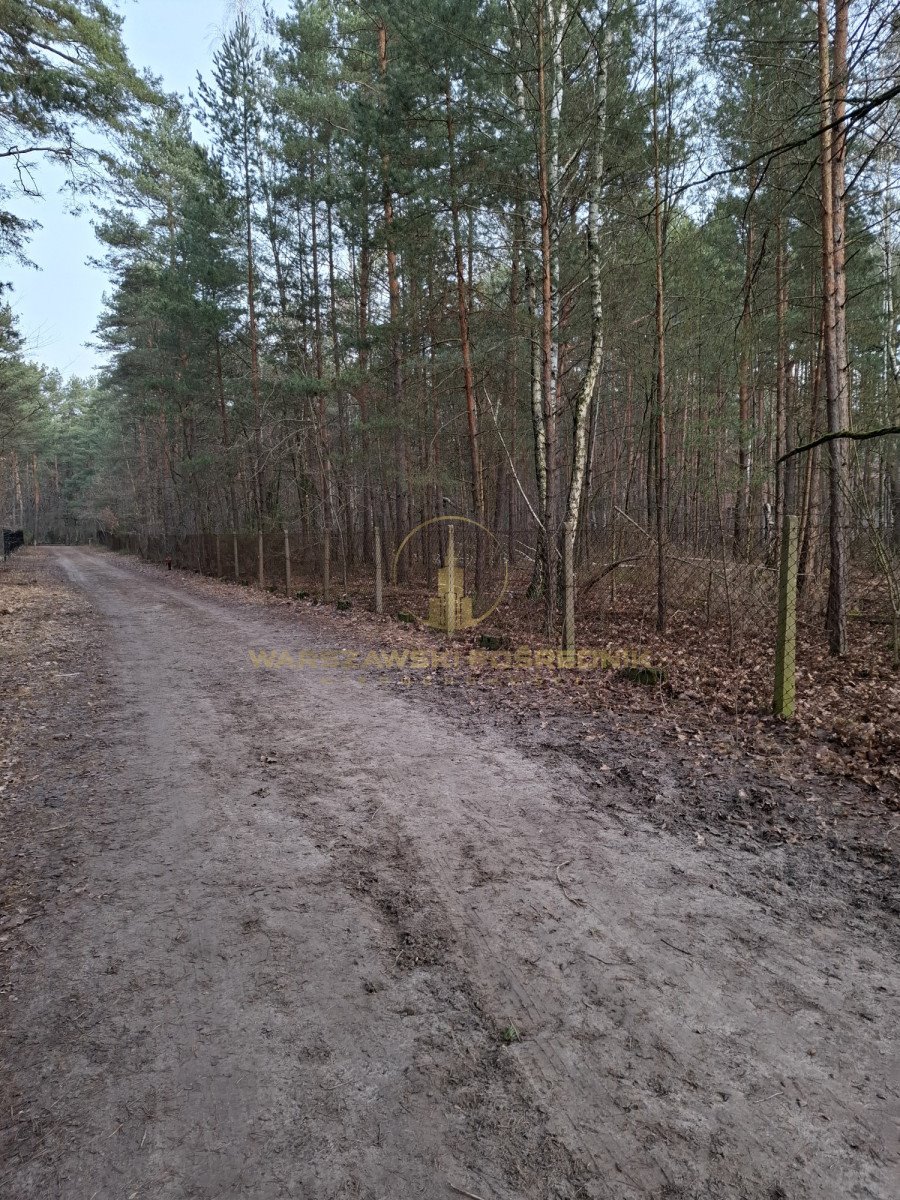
(724, 609)
(719, 636)
(728, 609)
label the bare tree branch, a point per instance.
(843, 433)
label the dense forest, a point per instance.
(586, 274)
(450, 634)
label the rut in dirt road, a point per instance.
(331, 945)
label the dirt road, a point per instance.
(316, 940)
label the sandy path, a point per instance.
(311, 908)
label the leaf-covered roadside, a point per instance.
(49, 661)
(848, 710)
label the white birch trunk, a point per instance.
(595, 356)
(560, 20)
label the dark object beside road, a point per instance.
(12, 540)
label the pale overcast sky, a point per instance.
(58, 304)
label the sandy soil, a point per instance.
(294, 934)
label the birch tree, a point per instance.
(599, 32)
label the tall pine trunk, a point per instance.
(832, 99)
(477, 480)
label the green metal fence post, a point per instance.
(786, 637)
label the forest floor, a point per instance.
(326, 932)
(717, 675)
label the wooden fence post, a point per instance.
(786, 637)
(287, 563)
(261, 562)
(379, 586)
(237, 560)
(450, 619)
(326, 565)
